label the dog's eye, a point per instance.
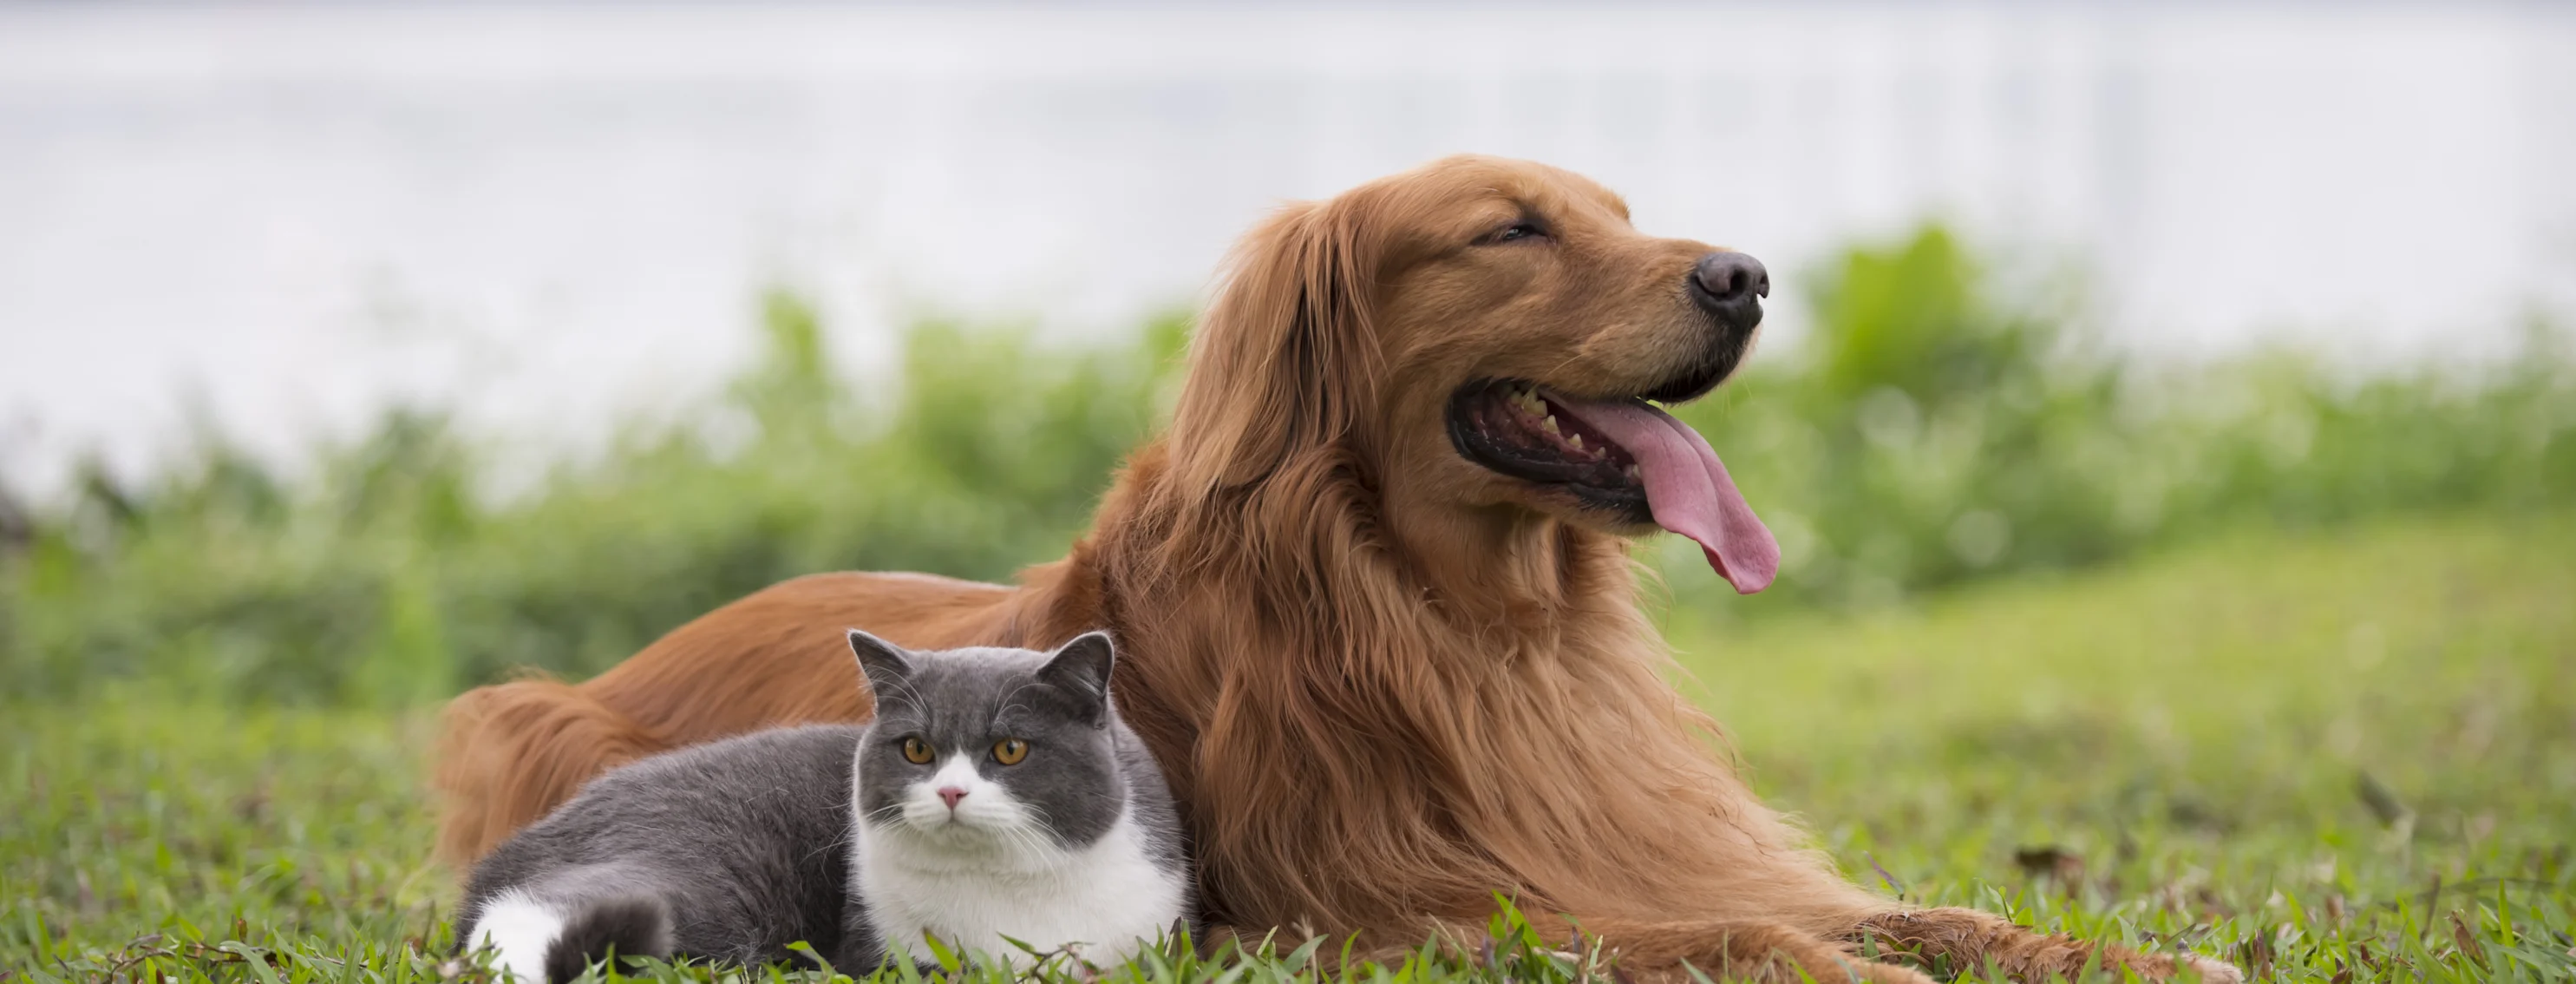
(1009, 751)
(1517, 230)
(917, 751)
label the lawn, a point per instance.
(2332, 756)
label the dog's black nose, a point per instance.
(1726, 282)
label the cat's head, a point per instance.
(985, 749)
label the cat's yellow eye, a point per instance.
(1009, 751)
(916, 751)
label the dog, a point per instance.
(1381, 620)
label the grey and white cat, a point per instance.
(996, 794)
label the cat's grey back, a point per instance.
(749, 836)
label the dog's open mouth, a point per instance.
(1519, 430)
(1620, 455)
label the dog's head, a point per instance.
(1480, 336)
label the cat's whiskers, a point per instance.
(885, 815)
(1029, 842)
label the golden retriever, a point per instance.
(1379, 616)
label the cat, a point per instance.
(996, 796)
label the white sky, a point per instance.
(293, 215)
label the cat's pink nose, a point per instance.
(950, 795)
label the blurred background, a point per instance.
(549, 219)
(2168, 413)
(484, 335)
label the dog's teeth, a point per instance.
(1575, 441)
(1550, 424)
(1632, 471)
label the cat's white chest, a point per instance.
(1110, 897)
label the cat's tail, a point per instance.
(626, 926)
(536, 940)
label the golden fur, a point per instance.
(1386, 683)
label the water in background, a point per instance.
(282, 218)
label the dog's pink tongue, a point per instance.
(1688, 489)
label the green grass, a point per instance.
(2318, 739)
(2344, 756)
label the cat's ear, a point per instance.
(886, 664)
(1081, 670)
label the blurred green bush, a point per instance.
(1934, 431)
(391, 578)
(1931, 431)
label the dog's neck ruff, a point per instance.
(1303, 683)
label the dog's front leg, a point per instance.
(1665, 951)
(1966, 939)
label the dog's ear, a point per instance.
(1285, 360)
(886, 665)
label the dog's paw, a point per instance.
(1880, 973)
(2211, 969)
